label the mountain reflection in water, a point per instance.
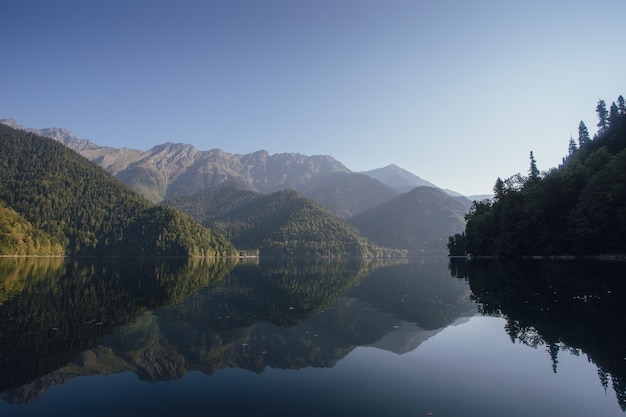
(164, 319)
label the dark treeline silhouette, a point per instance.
(578, 208)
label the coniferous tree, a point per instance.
(603, 123)
(533, 172)
(613, 114)
(572, 147)
(621, 106)
(583, 134)
(498, 189)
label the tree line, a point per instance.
(578, 208)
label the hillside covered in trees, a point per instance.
(54, 201)
(20, 237)
(283, 223)
(578, 208)
(419, 221)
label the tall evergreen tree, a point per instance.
(498, 189)
(621, 106)
(533, 172)
(572, 147)
(613, 114)
(583, 134)
(603, 122)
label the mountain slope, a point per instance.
(89, 212)
(283, 223)
(346, 193)
(419, 221)
(171, 170)
(398, 178)
(19, 237)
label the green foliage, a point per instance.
(456, 245)
(576, 209)
(88, 212)
(280, 224)
(19, 237)
(53, 308)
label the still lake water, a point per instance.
(409, 337)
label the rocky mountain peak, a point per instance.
(398, 178)
(64, 136)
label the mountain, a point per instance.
(61, 135)
(73, 202)
(346, 193)
(398, 178)
(175, 169)
(170, 170)
(420, 221)
(283, 223)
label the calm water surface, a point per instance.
(411, 337)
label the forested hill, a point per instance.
(578, 208)
(57, 197)
(283, 223)
(419, 221)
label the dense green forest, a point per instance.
(19, 237)
(54, 197)
(578, 208)
(284, 223)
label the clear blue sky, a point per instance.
(457, 92)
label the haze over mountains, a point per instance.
(170, 171)
(173, 169)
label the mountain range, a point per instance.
(171, 171)
(55, 202)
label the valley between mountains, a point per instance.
(285, 204)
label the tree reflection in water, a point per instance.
(575, 306)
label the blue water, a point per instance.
(468, 367)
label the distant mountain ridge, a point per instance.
(62, 135)
(171, 171)
(398, 178)
(174, 169)
(419, 221)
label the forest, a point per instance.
(283, 223)
(575, 209)
(55, 202)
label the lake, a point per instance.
(304, 337)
